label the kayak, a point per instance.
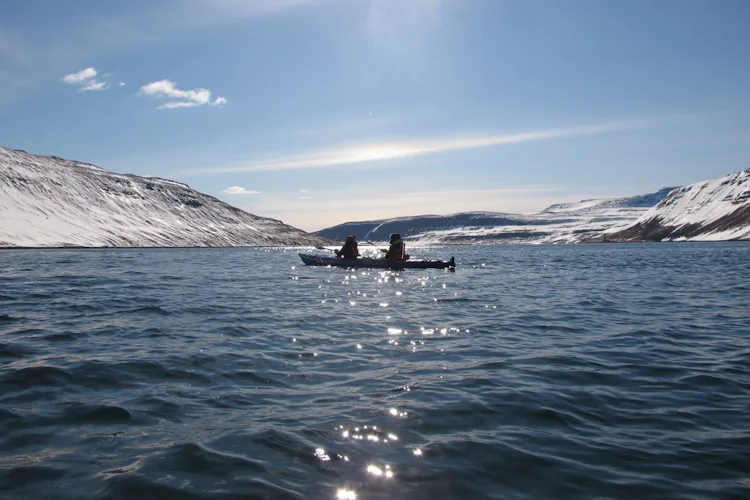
(321, 260)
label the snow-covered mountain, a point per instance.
(46, 201)
(641, 201)
(713, 210)
(561, 223)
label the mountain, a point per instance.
(561, 223)
(640, 201)
(713, 210)
(46, 201)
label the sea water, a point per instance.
(582, 371)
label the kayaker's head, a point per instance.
(350, 238)
(395, 237)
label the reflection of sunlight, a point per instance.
(418, 452)
(369, 433)
(377, 471)
(321, 454)
(344, 494)
(396, 413)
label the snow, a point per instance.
(47, 201)
(561, 223)
(712, 210)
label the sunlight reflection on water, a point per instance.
(192, 372)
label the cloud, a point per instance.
(81, 76)
(238, 190)
(344, 155)
(87, 79)
(30, 52)
(94, 85)
(165, 89)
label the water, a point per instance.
(589, 371)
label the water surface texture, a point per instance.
(588, 371)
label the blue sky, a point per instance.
(318, 112)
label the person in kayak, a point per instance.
(349, 250)
(397, 250)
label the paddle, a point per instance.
(324, 248)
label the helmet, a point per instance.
(395, 237)
(350, 238)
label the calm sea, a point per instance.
(586, 371)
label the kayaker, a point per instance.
(397, 250)
(349, 250)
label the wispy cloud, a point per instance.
(239, 190)
(363, 153)
(30, 59)
(87, 79)
(94, 85)
(81, 76)
(166, 89)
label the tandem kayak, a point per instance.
(321, 260)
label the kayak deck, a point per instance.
(321, 260)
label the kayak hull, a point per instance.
(321, 260)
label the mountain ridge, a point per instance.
(721, 212)
(713, 210)
(558, 223)
(48, 201)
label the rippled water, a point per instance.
(590, 371)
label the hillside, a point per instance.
(47, 201)
(560, 223)
(713, 210)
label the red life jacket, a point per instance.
(400, 251)
(350, 250)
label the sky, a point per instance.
(319, 112)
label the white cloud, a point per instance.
(343, 155)
(87, 79)
(30, 52)
(95, 85)
(165, 89)
(238, 190)
(81, 76)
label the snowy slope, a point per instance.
(46, 201)
(713, 210)
(561, 223)
(641, 201)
